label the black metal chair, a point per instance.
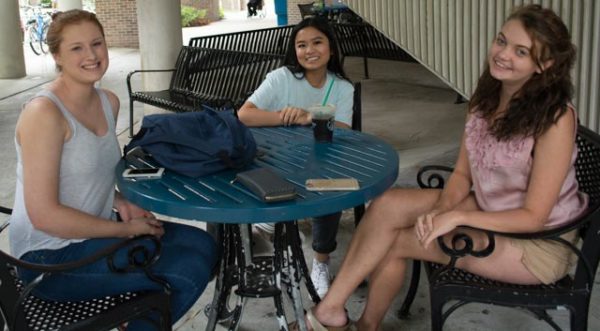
(306, 9)
(573, 292)
(21, 310)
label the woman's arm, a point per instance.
(553, 151)
(41, 132)
(458, 186)
(129, 211)
(342, 125)
(251, 115)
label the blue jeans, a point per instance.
(324, 232)
(187, 259)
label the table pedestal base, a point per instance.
(249, 276)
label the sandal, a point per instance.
(317, 326)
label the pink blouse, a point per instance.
(501, 171)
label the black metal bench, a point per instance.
(354, 39)
(268, 41)
(206, 76)
(363, 40)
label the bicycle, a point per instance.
(37, 29)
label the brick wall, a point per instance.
(119, 19)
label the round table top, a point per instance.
(293, 153)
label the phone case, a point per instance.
(334, 184)
(267, 184)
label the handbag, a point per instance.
(267, 185)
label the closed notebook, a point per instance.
(267, 184)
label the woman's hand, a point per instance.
(424, 223)
(294, 115)
(434, 224)
(144, 225)
(128, 211)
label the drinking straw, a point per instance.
(328, 91)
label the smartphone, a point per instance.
(144, 173)
(135, 155)
(334, 184)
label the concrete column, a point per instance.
(69, 4)
(12, 60)
(159, 26)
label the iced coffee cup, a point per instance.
(323, 122)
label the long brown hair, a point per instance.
(61, 20)
(545, 96)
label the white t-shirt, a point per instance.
(282, 89)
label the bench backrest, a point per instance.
(354, 39)
(268, 41)
(206, 73)
(362, 39)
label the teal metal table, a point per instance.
(293, 153)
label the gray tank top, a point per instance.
(87, 179)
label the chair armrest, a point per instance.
(149, 257)
(435, 179)
(143, 71)
(134, 262)
(462, 243)
(139, 257)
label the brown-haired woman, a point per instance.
(67, 152)
(521, 108)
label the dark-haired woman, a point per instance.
(311, 64)
(515, 173)
(67, 151)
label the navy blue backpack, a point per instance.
(196, 143)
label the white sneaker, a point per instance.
(320, 277)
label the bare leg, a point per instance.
(386, 280)
(384, 284)
(386, 217)
(385, 239)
